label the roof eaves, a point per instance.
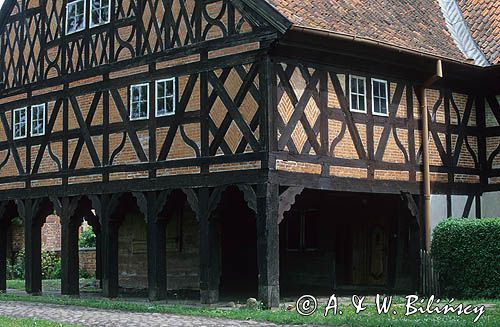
(373, 42)
(267, 11)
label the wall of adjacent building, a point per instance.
(182, 260)
(490, 205)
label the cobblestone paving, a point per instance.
(96, 317)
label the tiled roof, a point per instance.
(483, 20)
(412, 24)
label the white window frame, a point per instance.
(84, 16)
(351, 77)
(92, 9)
(131, 101)
(38, 106)
(14, 123)
(174, 96)
(386, 114)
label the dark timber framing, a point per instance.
(145, 50)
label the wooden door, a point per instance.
(370, 245)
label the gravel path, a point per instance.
(97, 317)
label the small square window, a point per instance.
(302, 230)
(139, 102)
(75, 16)
(100, 13)
(38, 120)
(19, 120)
(357, 91)
(380, 99)
(165, 97)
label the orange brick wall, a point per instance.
(125, 152)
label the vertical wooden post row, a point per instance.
(70, 265)
(268, 244)
(4, 226)
(35, 212)
(109, 234)
(156, 249)
(209, 250)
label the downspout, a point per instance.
(425, 147)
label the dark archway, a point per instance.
(346, 242)
(8, 212)
(238, 234)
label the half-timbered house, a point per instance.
(246, 145)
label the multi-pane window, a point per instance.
(302, 229)
(357, 93)
(139, 101)
(19, 120)
(165, 97)
(38, 120)
(100, 13)
(75, 16)
(380, 98)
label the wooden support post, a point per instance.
(4, 231)
(70, 265)
(109, 230)
(209, 251)
(268, 244)
(33, 251)
(157, 251)
(98, 257)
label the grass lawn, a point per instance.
(49, 284)
(16, 322)
(369, 317)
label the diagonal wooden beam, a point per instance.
(211, 100)
(299, 106)
(233, 110)
(88, 122)
(46, 137)
(344, 105)
(461, 128)
(238, 100)
(495, 107)
(12, 145)
(132, 134)
(179, 113)
(85, 132)
(393, 110)
(435, 136)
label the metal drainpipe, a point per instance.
(425, 147)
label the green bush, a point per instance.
(466, 254)
(15, 268)
(51, 266)
(85, 274)
(87, 239)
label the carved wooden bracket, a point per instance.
(412, 205)
(65, 207)
(96, 204)
(192, 199)
(160, 199)
(21, 209)
(249, 195)
(287, 199)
